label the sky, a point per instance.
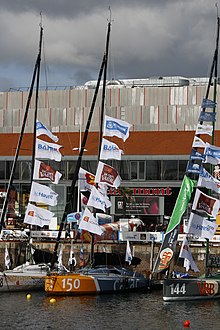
(148, 38)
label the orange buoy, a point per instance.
(186, 324)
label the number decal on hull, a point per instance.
(178, 289)
(68, 284)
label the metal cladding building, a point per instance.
(164, 113)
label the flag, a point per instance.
(43, 194)
(192, 168)
(86, 180)
(37, 216)
(212, 154)
(196, 155)
(198, 143)
(185, 253)
(207, 116)
(128, 256)
(41, 129)
(84, 199)
(47, 150)
(60, 257)
(43, 171)
(206, 103)
(90, 223)
(208, 181)
(167, 248)
(97, 200)
(108, 175)
(205, 203)
(201, 227)
(204, 129)
(116, 127)
(110, 150)
(7, 259)
(74, 217)
(72, 259)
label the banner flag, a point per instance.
(185, 253)
(7, 259)
(43, 194)
(42, 129)
(207, 116)
(43, 171)
(86, 180)
(204, 129)
(90, 223)
(108, 175)
(116, 127)
(167, 248)
(97, 200)
(193, 168)
(198, 143)
(74, 217)
(60, 258)
(72, 259)
(212, 154)
(37, 216)
(205, 203)
(206, 103)
(201, 227)
(110, 150)
(196, 155)
(48, 150)
(208, 181)
(128, 256)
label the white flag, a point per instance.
(128, 256)
(107, 175)
(208, 181)
(43, 194)
(206, 203)
(212, 154)
(198, 143)
(201, 227)
(37, 216)
(185, 253)
(116, 127)
(41, 129)
(72, 259)
(7, 259)
(46, 150)
(60, 257)
(86, 180)
(90, 223)
(110, 150)
(97, 200)
(204, 129)
(43, 171)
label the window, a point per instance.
(153, 170)
(169, 170)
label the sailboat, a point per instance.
(100, 279)
(205, 206)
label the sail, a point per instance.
(167, 248)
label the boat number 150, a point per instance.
(178, 289)
(68, 284)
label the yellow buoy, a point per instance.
(28, 296)
(52, 300)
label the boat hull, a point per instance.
(21, 282)
(191, 289)
(78, 284)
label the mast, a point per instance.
(11, 179)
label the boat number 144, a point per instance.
(178, 289)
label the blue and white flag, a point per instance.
(206, 103)
(207, 116)
(196, 155)
(46, 150)
(97, 200)
(37, 216)
(41, 129)
(198, 143)
(43, 194)
(110, 150)
(185, 253)
(128, 256)
(116, 127)
(204, 129)
(201, 227)
(74, 217)
(212, 154)
(193, 168)
(90, 223)
(208, 181)
(7, 259)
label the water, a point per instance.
(130, 311)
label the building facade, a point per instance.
(163, 112)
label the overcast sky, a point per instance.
(148, 38)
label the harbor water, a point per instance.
(124, 311)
